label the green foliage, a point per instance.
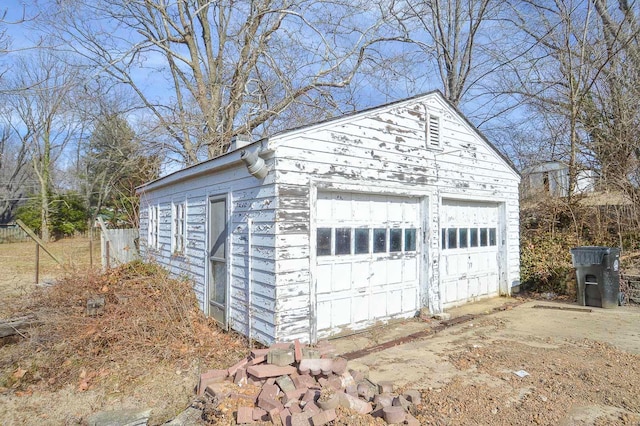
(29, 213)
(68, 214)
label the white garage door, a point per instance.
(469, 261)
(368, 259)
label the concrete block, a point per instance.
(366, 391)
(310, 353)
(280, 357)
(268, 370)
(285, 383)
(324, 417)
(312, 365)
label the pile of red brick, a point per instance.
(299, 385)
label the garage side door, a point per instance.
(469, 241)
(368, 259)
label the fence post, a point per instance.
(37, 262)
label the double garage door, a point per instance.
(368, 259)
(470, 251)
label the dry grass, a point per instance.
(17, 264)
(150, 324)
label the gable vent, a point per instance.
(433, 132)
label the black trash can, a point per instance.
(598, 274)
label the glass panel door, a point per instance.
(217, 293)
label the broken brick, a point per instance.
(211, 376)
(269, 404)
(394, 414)
(339, 365)
(385, 386)
(311, 408)
(295, 408)
(411, 421)
(260, 415)
(297, 350)
(294, 395)
(269, 391)
(413, 396)
(231, 371)
(300, 419)
(281, 345)
(311, 395)
(241, 377)
(244, 415)
(274, 417)
(285, 416)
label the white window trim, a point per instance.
(431, 143)
(179, 227)
(154, 226)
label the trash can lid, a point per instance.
(589, 255)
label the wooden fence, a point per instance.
(12, 233)
(118, 246)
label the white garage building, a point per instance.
(351, 221)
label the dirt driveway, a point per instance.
(583, 367)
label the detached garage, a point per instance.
(338, 225)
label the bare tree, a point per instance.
(232, 67)
(452, 34)
(38, 111)
(14, 174)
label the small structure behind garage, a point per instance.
(351, 221)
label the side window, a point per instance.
(179, 227)
(343, 241)
(323, 247)
(154, 226)
(361, 240)
(444, 238)
(492, 237)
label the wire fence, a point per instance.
(12, 233)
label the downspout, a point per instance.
(250, 279)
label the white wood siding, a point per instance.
(378, 152)
(248, 198)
